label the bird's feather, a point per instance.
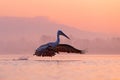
(67, 48)
(50, 51)
(45, 52)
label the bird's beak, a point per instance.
(65, 35)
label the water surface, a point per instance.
(63, 67)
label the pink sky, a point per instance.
(91, 15)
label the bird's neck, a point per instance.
(58, 39)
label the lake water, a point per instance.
(62, 67)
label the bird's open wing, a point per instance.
(67, 48)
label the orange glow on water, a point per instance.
(87, 67)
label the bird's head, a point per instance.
(63, 34)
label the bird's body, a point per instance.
(52, 44)
(50, 49)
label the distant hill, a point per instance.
(16, 26)
(23, 35)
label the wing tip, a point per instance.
(84, 51)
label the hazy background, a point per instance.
(91, 24)
(24, 35)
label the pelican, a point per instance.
(50, 49)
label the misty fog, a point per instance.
(24, 35)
